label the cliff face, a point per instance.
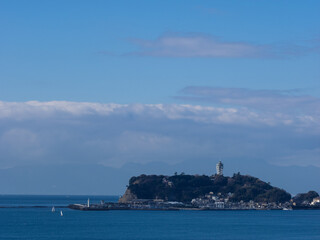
(128, 196)
(184, 188)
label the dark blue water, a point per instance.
(48, 200)
(41, 223)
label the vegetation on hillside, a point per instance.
(184, 188)
(305, 197)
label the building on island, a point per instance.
(316, 201)
(219, 168)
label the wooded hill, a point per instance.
(184, 188)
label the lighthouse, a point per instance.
(219, 168)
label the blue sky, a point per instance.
(114, 83)
(83, 50)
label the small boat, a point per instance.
(61, 213)
(53, 209)
(287, 209)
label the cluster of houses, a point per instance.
(314, 204)
(212, 201)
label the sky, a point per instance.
(158, 86)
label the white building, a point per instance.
(219, 168)
(316, 201)
(219, 204)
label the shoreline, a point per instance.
(152, 209)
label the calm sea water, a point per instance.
(41, 223)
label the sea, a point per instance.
(30, 217)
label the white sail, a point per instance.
(61, 213)
(53, 209)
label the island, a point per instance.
(202, 192)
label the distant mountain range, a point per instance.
(101, 180)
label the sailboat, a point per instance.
(53, 209)
(61, 213)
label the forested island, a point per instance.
(184, 188)
(201, 192)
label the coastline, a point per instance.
(116, 207)
(101, 208)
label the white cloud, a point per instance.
(196, 46)
(205, 46)
(240, 113)
(115, 134)
(269, 106)
(31, 109)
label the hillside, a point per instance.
(184, 188)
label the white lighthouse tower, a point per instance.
(219, 168)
